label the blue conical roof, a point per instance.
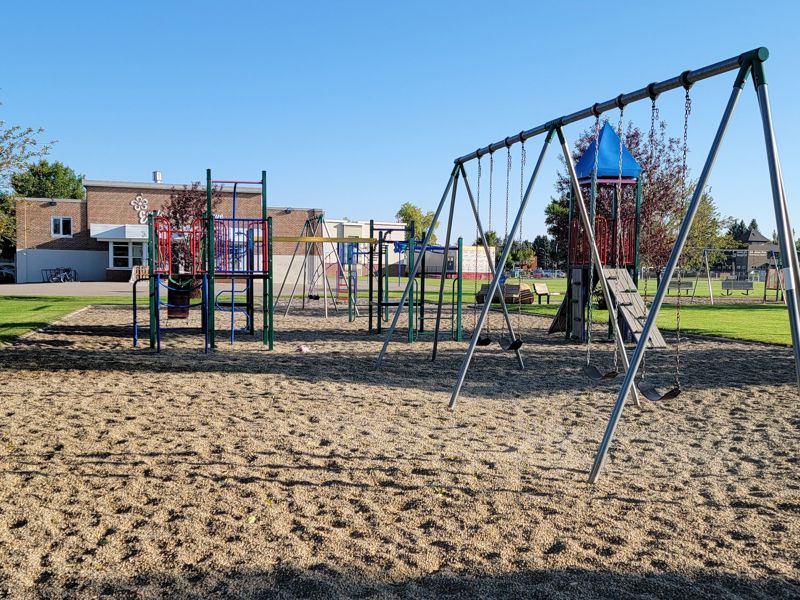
(608, 162)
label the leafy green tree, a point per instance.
(753, 225)
(48, 180)
(492, 239)
(556, 217)
(8, 225)
(705, 234)
(18, 146)
(412, 214)
(522, 253)
(542, 247)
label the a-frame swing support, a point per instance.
(749, 62)
(746, 63)
(452, 182)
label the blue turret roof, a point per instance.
(608, 162)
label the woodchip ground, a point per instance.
(246, 473)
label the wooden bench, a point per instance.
(681, 286)
(734, 284)
(541, 289)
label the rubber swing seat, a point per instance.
(595, 374)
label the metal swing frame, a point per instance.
(747, 63)
(451, 191)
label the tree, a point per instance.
(411, 214)
(8, 225)
(737, 231)
(522, 253)
(492, 239)
(542, 247)
(48, 180)
(18, 146)
(182, 208)
(753, 225)
(189, 203)
(705, 235)
(663, 192)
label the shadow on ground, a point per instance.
(321, 581)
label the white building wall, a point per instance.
(90, 264)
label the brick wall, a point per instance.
(34, 225)
(112, 205)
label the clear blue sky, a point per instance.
(356, 107)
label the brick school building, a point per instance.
(104, 236)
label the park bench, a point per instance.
(541, 289)
(681, 286)
(734, 284)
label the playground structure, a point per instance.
(746, 64)
(218, 258)
(313, 239)
(450, 267)
(612, 177)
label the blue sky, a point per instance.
(356, 107)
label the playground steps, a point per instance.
(631, 306)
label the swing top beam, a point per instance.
(652, 91)
(310, 239)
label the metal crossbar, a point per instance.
(687, 78)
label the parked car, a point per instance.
(8, 274)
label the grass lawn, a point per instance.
(21, 314)
(767, 323)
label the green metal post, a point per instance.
(270, 310)
(266, 295)
(385, 251)
(459, 289)
(212, 298)
(152, 278)
(637, 265)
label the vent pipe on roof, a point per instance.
(156, 176)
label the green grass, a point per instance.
(768, 323)
(746, 321)
(21, 314)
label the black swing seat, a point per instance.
(483, 340)
(652, 393)
(595, 374)
(313, 296)
(509, 344)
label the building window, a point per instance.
(125, 255)
(61, 227)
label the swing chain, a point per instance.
(619, 191)
(491, 186)
(686, 112)
(508, 187)
(617, 226)
(477, 241)
(522, 159)
(678, 338)
(591, 225)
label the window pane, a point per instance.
(138, 250)
(121, 249)
(56, 226)
(121, 262)
(66, 226)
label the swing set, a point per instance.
(746, 64)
